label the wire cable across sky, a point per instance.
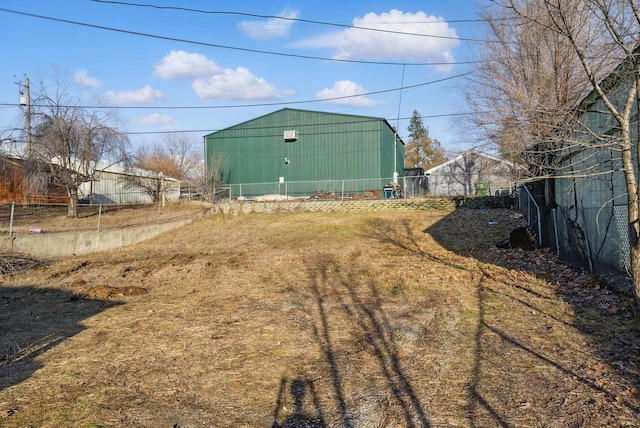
(220, 46)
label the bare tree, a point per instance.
(151, 183)
(153, 168)
(71, 141)
(596, 34)
(212, 185)
(528, 75)
(176, 156)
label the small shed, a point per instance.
(13, 177)
(472, 173)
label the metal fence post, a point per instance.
(13, 205)
(99, 216)
(538, 219)
(555, 230)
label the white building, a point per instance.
(115, 184)
(472, 173)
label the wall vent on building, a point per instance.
(290, 136)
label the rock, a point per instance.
(518, 238)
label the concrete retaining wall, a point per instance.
(77, 243)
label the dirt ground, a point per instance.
(391, 319)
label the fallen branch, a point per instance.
(11, 263)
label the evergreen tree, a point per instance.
(422, 151)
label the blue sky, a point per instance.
(168, 68)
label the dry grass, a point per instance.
(53, 218)
(390, 319)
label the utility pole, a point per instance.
(28, 116)
(395, 132)
(25, 100)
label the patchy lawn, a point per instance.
(390, 319)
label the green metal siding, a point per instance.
(329, 147)
(591, 218)
(591, 172)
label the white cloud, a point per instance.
(239, 84)
(81, 77)
(146, 94)
(356, 43)
(351, 90)
(270, 28)
(185, 65)
(213, 81)
(156, 119)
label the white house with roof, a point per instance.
(472, 173)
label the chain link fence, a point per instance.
(320, 189)
(20, 219)
(593, 238)
(374, 188)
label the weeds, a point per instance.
(337, 320)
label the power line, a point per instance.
(365, 119)
(254, 15)
(267, 104)
(308, 21)
(432, 116)
(219, 46)
(280, 103)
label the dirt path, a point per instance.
(390, 319)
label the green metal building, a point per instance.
(301, 153)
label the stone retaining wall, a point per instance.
(77, 243)
(246, 207)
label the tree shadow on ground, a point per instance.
(34, 320)
(348, 317)
(521, 326)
